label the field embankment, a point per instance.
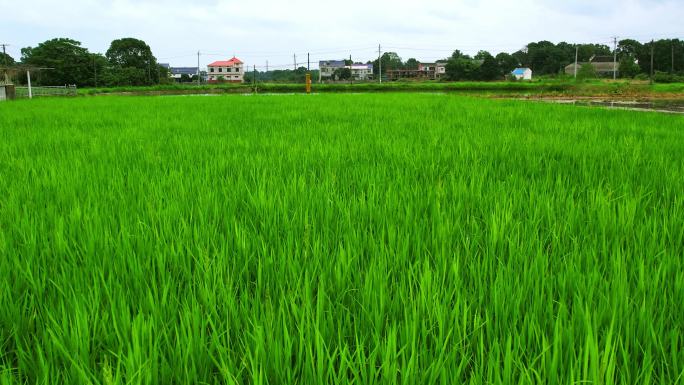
(537, 89)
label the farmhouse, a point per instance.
(177, 72)
(359, 71)
(226, 71)
(432, 70)
(425, 71)
(522, 73)
(602, 65)
(327, 68)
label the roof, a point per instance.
(226, 63)
(600, 67)
(519, 71)
(601, 59)
(361, 66)
(332, 63)
(183, 70)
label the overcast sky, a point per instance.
(274, 30)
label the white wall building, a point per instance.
(359, 71)
(522, 73)
(230, 71)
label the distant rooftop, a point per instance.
(332, 63)
(183, 70)
(601, 59)
(519, 71)
(226, 63)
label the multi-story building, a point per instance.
(230, 71)
(328, 70)
(425, 71)
(433, 70)
(361, 71)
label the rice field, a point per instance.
(339, 239)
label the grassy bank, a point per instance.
(366, 239)
(549, 88)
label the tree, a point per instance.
(481, 55)
(69, 63)
(129, 56)
(506, 62)
(99, 70)
(489, 69)
(342, 74)
(411, 64)
(545, 58)
(628, 67)
(586, 71)
(164, 78)
(458, 55)
(461, 67)
(629, 47)
(664, 51)
(6, 59)
(185, 78)
(389, 60)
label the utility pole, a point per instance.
(267, 66)
(254, 80)
(614, 57)
(308, 62)
(672, 48)
(198, 68)
(28, 77)
(4, 45)
(651, 81)
(351, 72)
(379, 66)
(95, 70)
(294, 57)
(576, 54)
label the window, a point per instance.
(211, 69)
(236, 77)
(220, 69)
(237, 69)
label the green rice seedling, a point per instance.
(349, 239)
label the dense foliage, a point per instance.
(60, 61)
(6, 59)
(64, 61)
(333, 239)
(130, 62)
(547, 58)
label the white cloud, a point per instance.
(274, 29)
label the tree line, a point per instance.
(127, 62)
(130, 62)
(548, 59)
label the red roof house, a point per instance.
(230, 71)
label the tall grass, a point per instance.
(352, 239)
